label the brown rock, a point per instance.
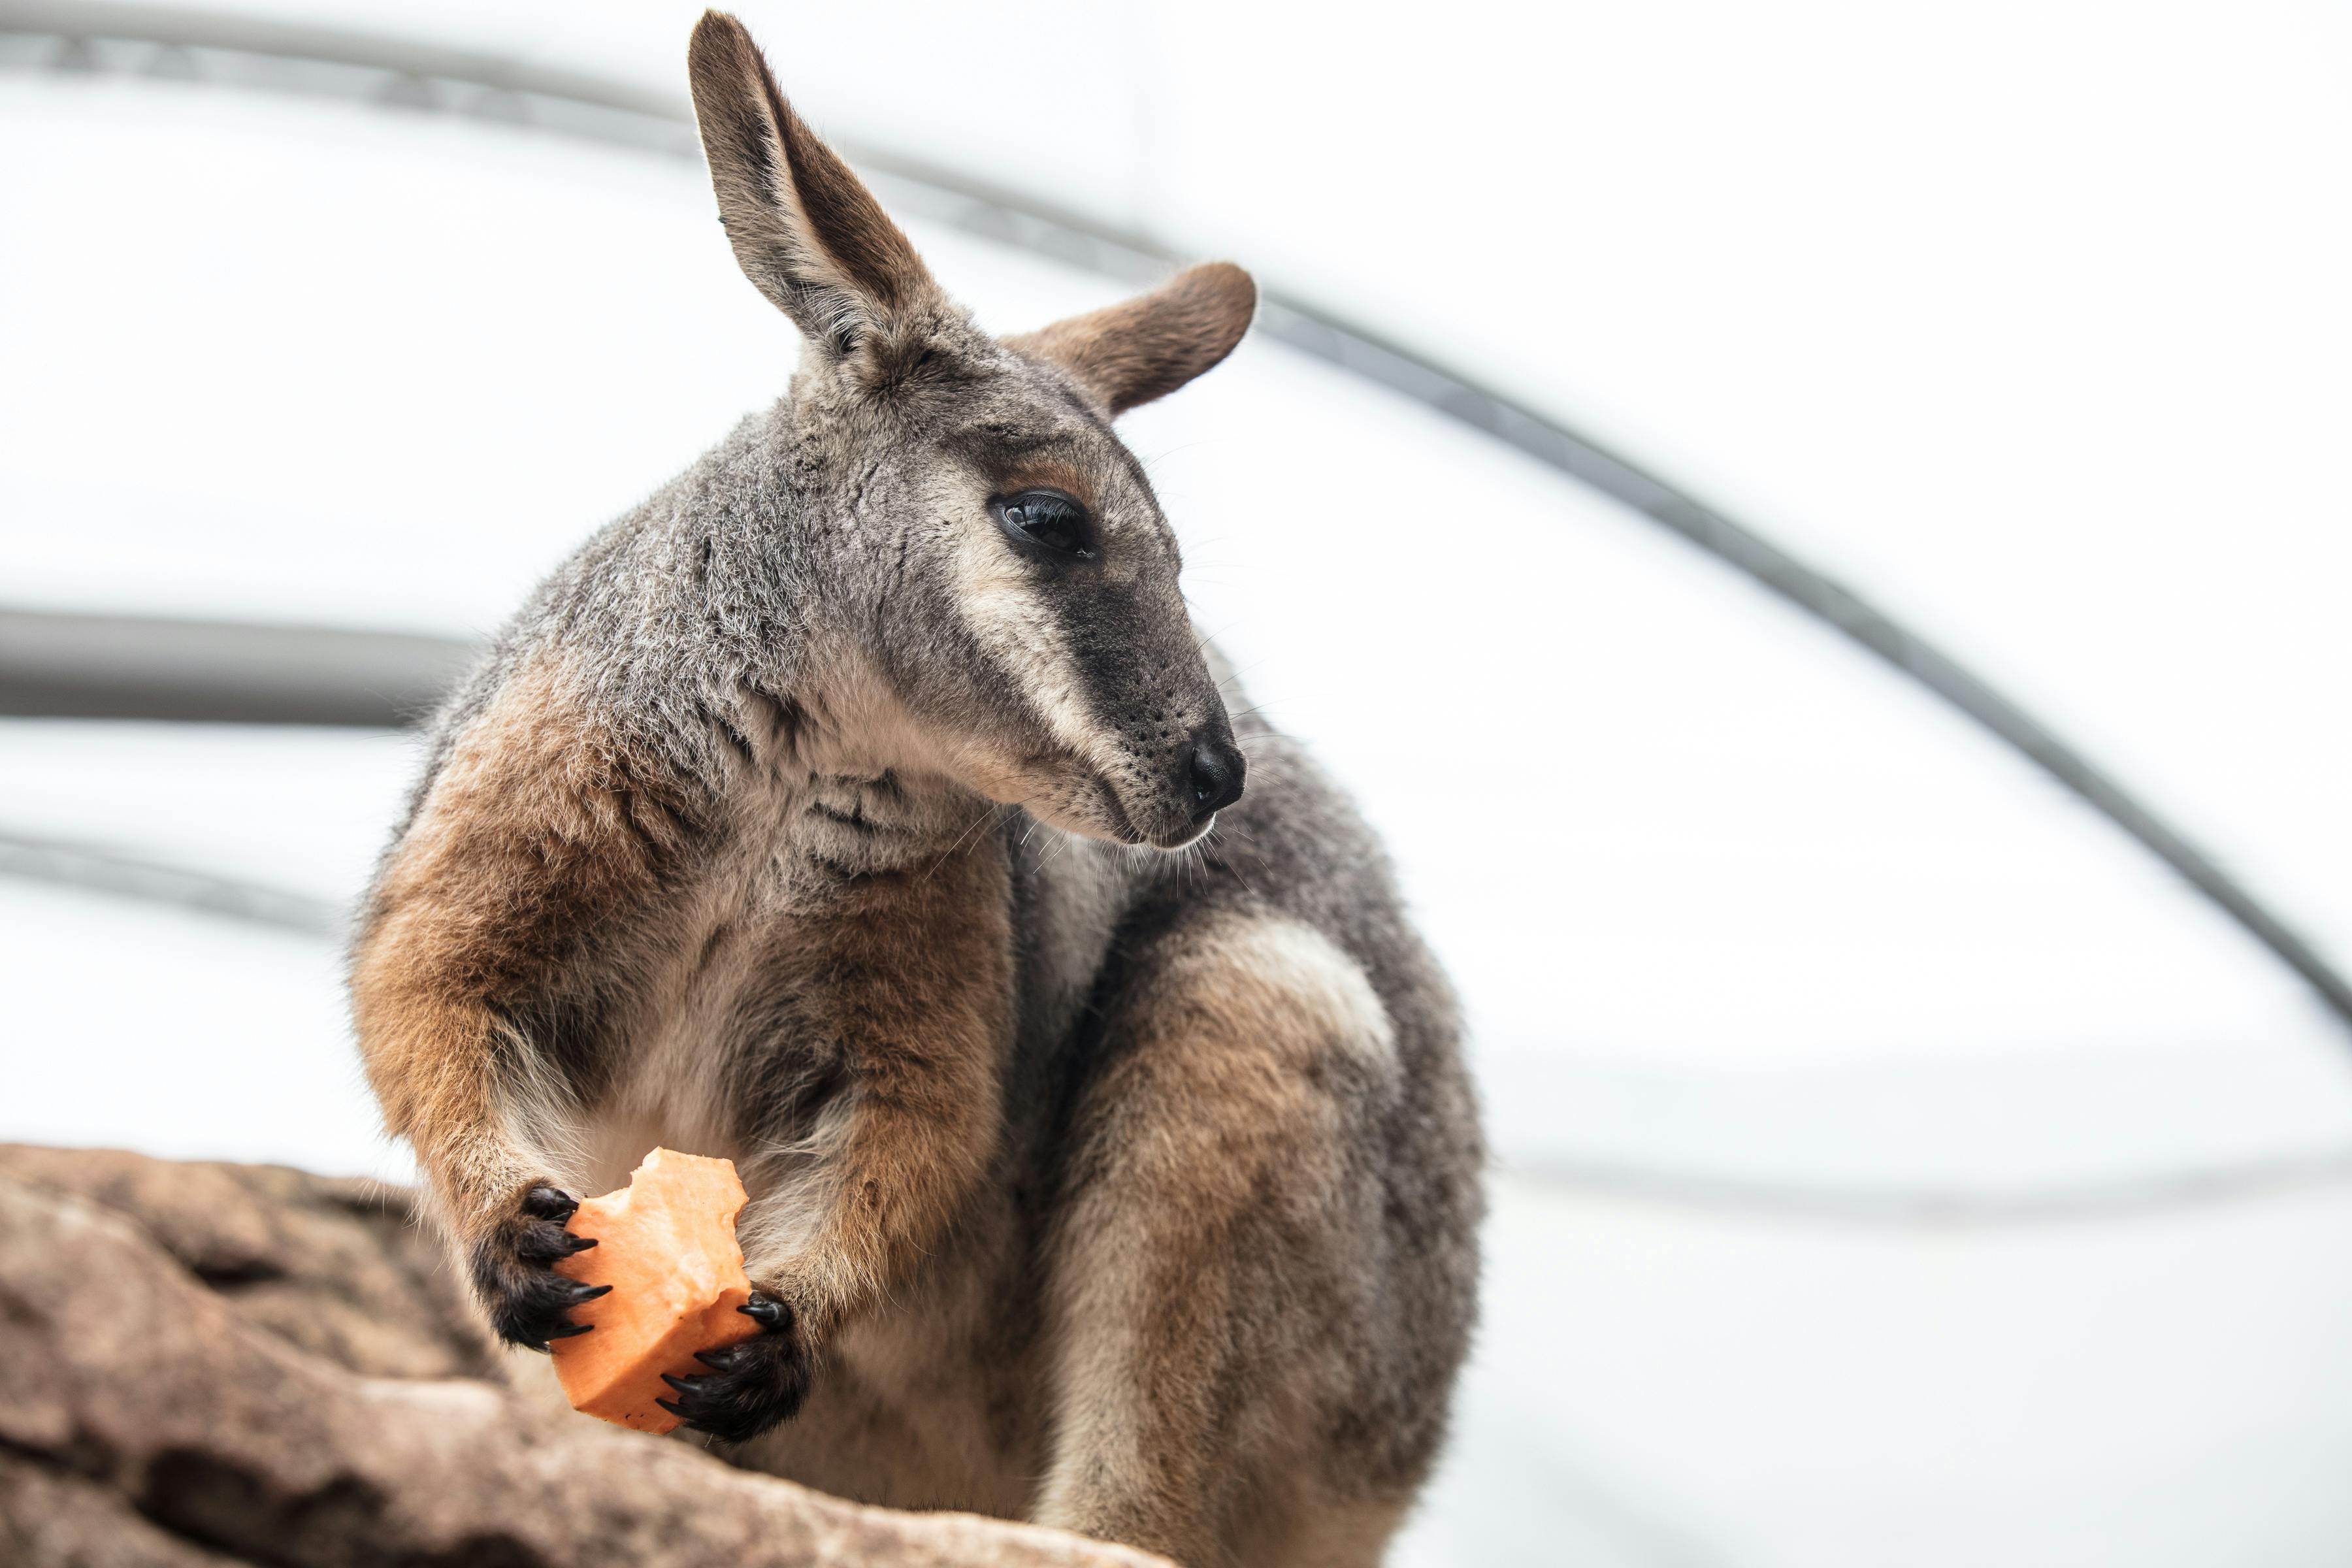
(149, 1418)
(335, 1265)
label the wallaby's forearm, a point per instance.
(911, 976)
(535, 827)
(435, 1068)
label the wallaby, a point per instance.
(816, 815)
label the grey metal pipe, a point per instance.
(95, 867)
(54, 665)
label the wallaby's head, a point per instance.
(988, 545)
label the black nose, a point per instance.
(1216, 776)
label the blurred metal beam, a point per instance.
(408, 75)
(1948, 1207)
(240, 49)
(54, 665)
(94, 867)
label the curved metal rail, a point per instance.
(100, 36)
(99, 868)
(61, 666)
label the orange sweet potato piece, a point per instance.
(666, 1244)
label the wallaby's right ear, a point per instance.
(805, 230)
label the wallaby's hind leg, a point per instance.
(1222, 1289)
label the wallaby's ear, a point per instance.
(1149, 346)
(805, 231)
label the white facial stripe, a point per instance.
(1000, 604)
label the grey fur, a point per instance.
(786, 648)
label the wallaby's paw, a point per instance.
(529, 1302)
(752, 1384)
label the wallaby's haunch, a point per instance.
(1128, 1191)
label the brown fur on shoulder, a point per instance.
(536, 830)
(532, 832)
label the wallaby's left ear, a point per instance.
(1147, 347)
(805, 230)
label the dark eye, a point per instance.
(1047, 524)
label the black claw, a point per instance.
(752, 1384)
(543, 1201)
(545, 1241)
(529, 1304)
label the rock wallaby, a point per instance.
(865, 808)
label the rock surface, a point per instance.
(204, 1365)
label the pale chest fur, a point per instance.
(735, 994)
